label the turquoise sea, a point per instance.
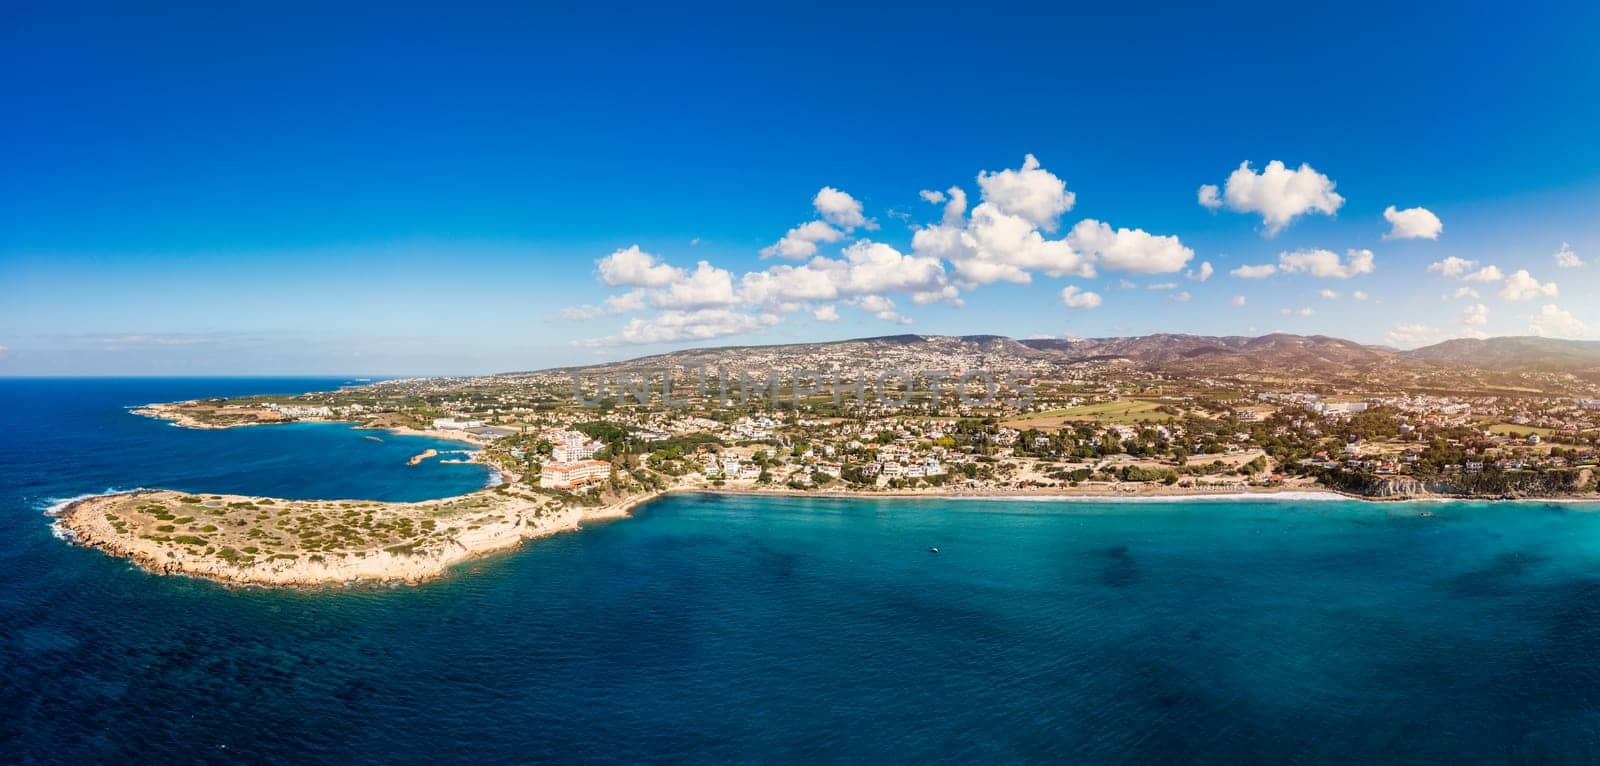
(786, 630)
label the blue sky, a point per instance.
(383, 190)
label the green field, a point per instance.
(1511, 429)
(1124, 411)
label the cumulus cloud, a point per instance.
(877, 267)
(1521, 286)
(867, 267)
(1413, 335)
(1131, 250)
(1555, 322)
(1004, 237)
(1079, 299)
(882, 308)
(995, 246)
(801, 241)
(1485, 274)
(1463, 292)
(632, 267)
(1452, 267)
(1412, 223)
(1303, 311)
(1566, 258)
(707, 286)
(1238, 301)
(1001, 239)
(1328, 295)
(1261, 271)
(1359, 295)
(1179, 297)
(840, 209)
(1325, 264)
(947, 294)
(1476, 315)
(1032, 193)
(840, 214)
(679, 326)
(1277, 193)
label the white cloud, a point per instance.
(678, 326)
(1209, 196)
(1567, 259)
(840, 209)
(1452, 267)
(1413, 335)
(841, 214)
(1325, 264)
(1239, 301)
(1463, 292)
(707, 286)
(956, 208)
(1521, 286)
(931, 195)
(633, 300)
(1162, 286)
(1078, 299)
(1304, 311)
(1463, 269)
(1131, 250)
(1203, 273)
(1412, 223)
(874, 267)
(1277, 193)
(998, 247)
(947, 294)
(1359, 295)
(1328, 295)
(882, 308)
(1179, 297)
(580, 313)
(1476, 315)
(801, 241)
(632, 267)
(1255, 272)
(1554, 321)
(827, 313)
(1031, 193)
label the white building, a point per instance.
(574, 475)
(451, 424)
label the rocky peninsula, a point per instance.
(273, 541)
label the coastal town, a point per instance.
(912, 418)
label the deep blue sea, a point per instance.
(771, 630)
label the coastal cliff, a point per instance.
(1485, 485)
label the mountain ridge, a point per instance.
(1279, 355)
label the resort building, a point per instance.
(570, 476)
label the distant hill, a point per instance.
(1516, 354)
(1267, 359)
